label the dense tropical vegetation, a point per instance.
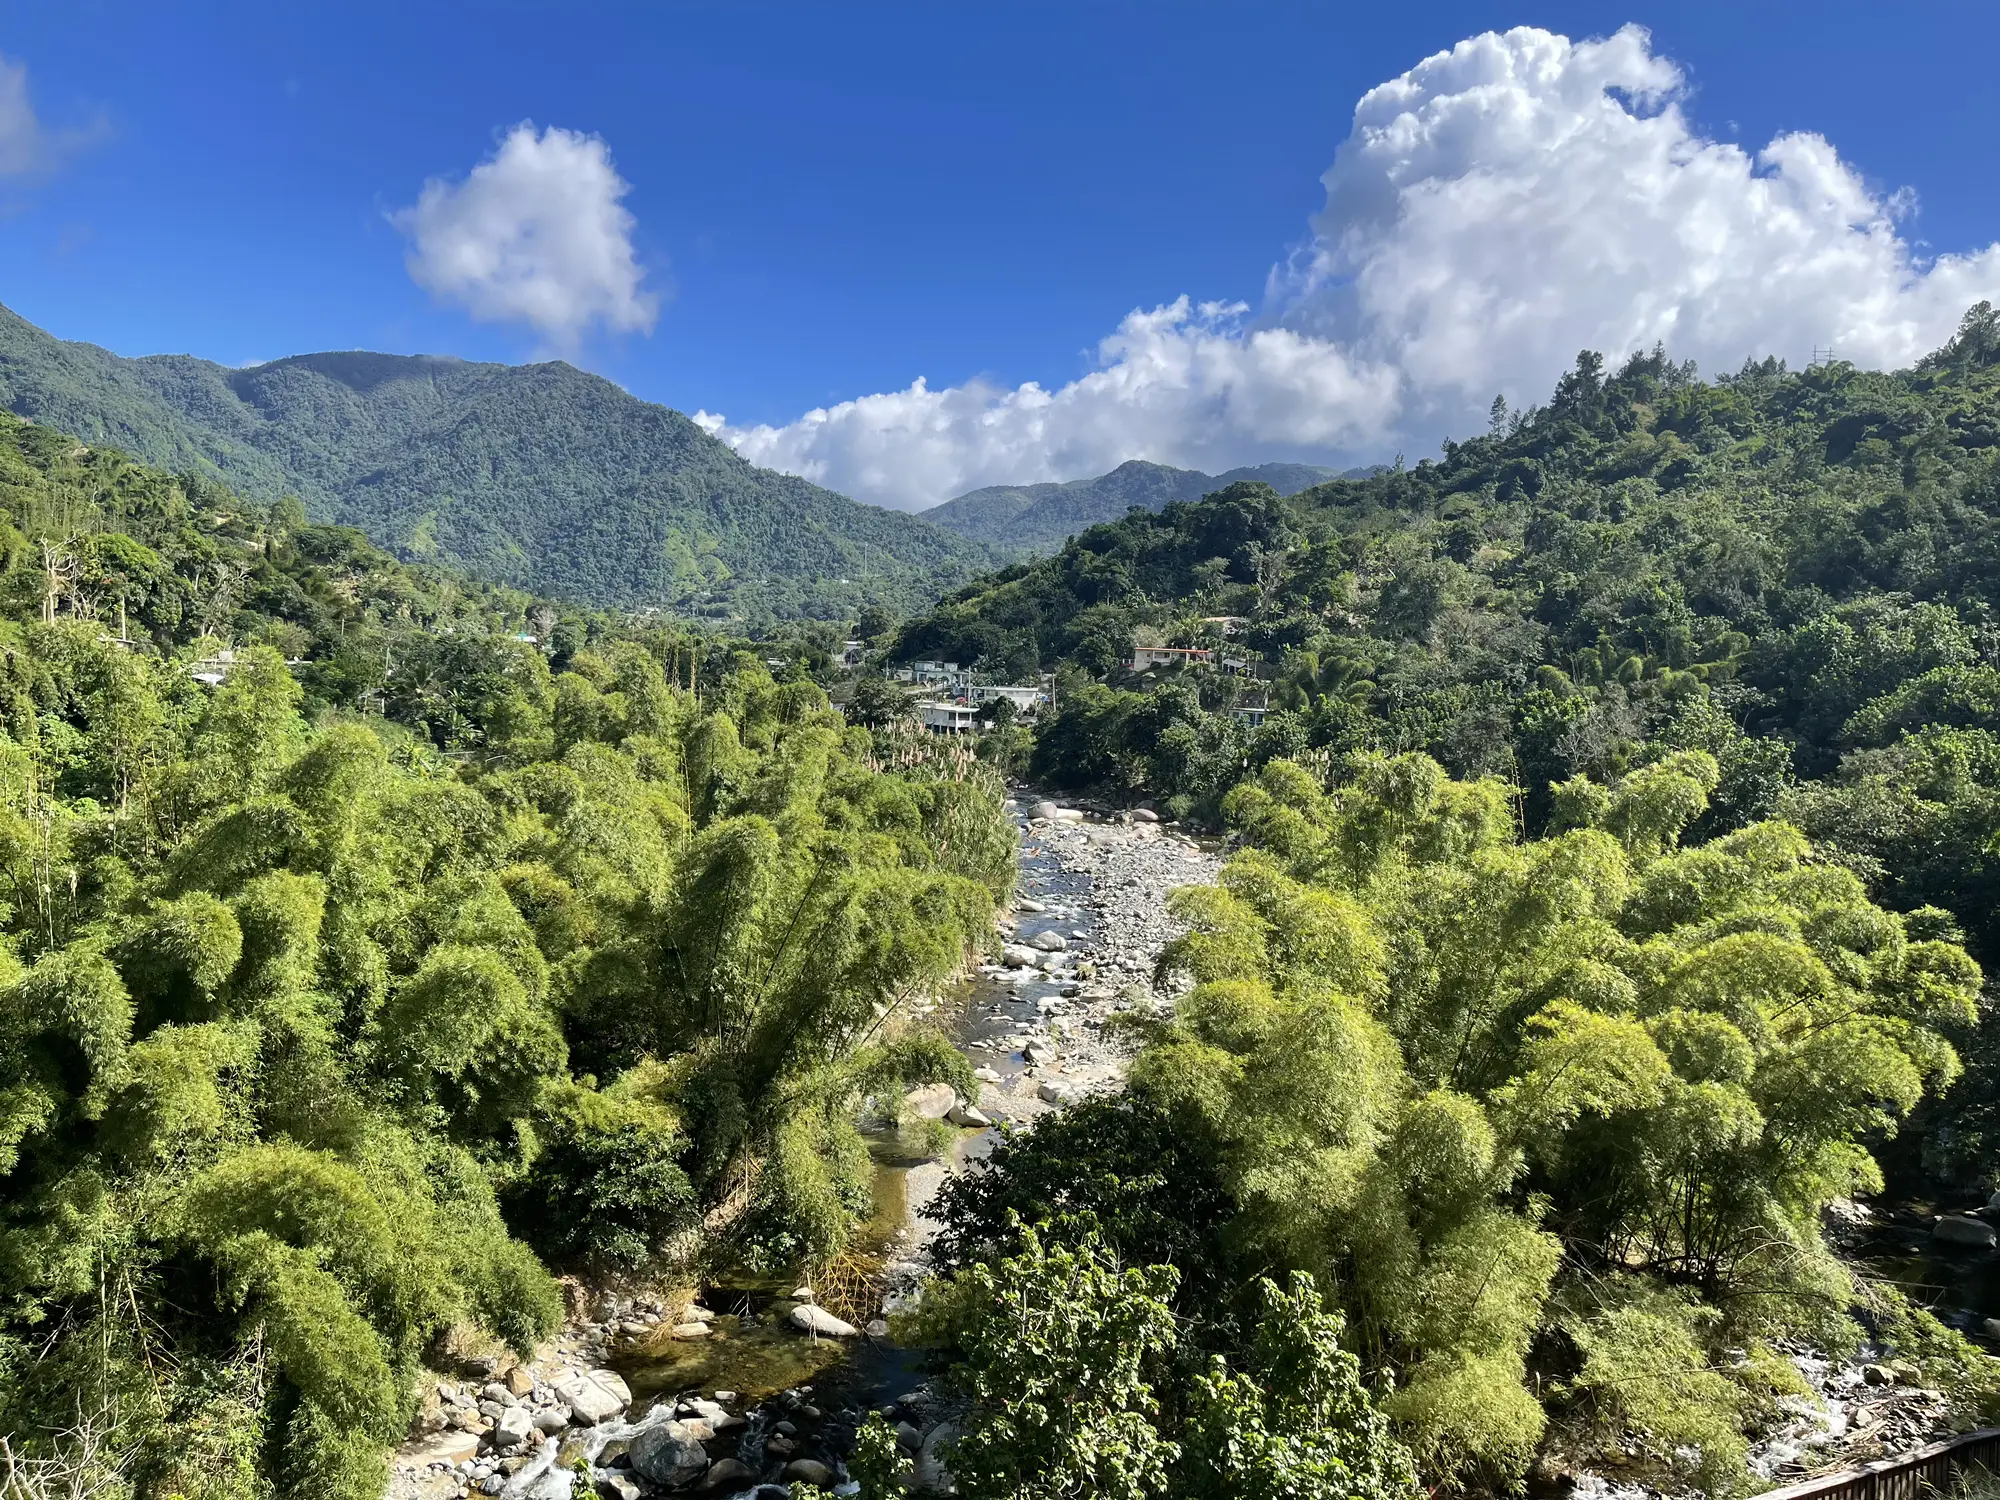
(1554, 1120)
(1617, 801)
(1027, 520)
(537, 476)
(342, 1000)
(1614, 804)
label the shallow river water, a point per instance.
(753, 1350)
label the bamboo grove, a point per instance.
(322, 1039)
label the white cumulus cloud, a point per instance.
(27, 145)
(1492, 211)
(538, 234)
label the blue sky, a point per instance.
(832, 201)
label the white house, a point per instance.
(1026, 700)
(946, 718)
(1168, 656)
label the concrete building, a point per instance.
(1144, 657)
(946, 718)
(1027, 700)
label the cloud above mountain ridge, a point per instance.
(1492, 211)
(537, 233)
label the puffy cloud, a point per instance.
(536, 234)
(27, 146)
(1492, 211)
(1168, 381)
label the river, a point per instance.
(1101, 887)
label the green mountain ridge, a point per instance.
(537, 476)
(1029, 520)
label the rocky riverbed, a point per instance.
(1077, 949)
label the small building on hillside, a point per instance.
(946, 718)
(1027, 699)
(1144, 657)
(933, 674)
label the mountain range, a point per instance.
(540, 476)
(1026, 520)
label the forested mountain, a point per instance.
(537, 476)
(1614, 802)
(1618, 798)
(1795, 571)
(1030, 519)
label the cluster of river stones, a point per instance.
(550, 1430)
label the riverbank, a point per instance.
(749, 1395)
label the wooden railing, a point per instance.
(1931, 1470)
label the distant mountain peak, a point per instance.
(542, 476)
(1030, 519)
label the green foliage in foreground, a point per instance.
(1449, 1069)
(311, 1034)
(1080, 1380)
(1552, 1120)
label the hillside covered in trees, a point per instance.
(1611, 805)
(1796, 572)
(1616, 802)
(1030, 519)
(538, 476)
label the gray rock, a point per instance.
(1020, 956)
(1044, 810)
(1039, 1054)
(878, 1328)
(809, 1471)
(986, 1075)
(1962, 1229)
(931, 1102)
(1051, 1092)
(513, 1427)
(968, 1117)
(1024, 904)
(728, 1471)
(908, 1437)
(594, 1396)
(1049, 942)
(611, 1485)
(1990, 1327)
(931, 1473)
(551, 1420)
(550, 1484)
(1144, 815)
(668, 1454)
(817, 1320)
